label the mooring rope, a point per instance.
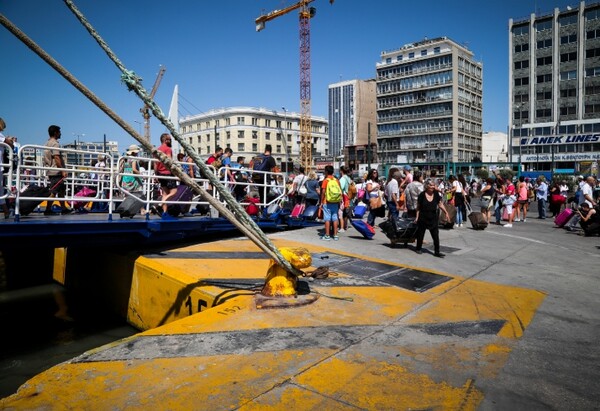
(238, 217)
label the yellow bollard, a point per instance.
(279, 283)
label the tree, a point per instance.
(482, 173)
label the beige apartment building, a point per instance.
(247, 130)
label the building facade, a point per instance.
(247, 130)
(554, 72)
(351, 110)
(429, 103)
(86, 152)
(494, 147)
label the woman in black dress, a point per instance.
(427, 216)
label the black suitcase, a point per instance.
(27, 206)
(400, 230)
(477, 220)
(310, 213)
(184, 193)
(130, 206)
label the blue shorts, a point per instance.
(330, 212)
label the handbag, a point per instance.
(303, 190)
(375, 202)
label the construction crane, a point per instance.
(306, 13)
(146, 110)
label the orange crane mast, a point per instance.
(306, 13)
(146, 110)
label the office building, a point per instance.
(352, 117)
(554, 72)
(429, 103)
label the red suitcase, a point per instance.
(564, 217)
(297, 210)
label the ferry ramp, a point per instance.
(382, 334)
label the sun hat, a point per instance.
(133, 149)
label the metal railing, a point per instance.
(86, 184)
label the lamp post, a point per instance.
(77, 147)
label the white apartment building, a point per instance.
(429, 103)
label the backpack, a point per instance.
(261, 163)
(352, 190)
(333, 191)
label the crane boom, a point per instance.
(306, 13)
(146, 110)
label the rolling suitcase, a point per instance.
(451, 213)
(297, 210)
(364, 228)
(310, 213)
(184, 193)
(130, 206)
(400, 230)
(27, 206)
(564, 217)
(477, 220)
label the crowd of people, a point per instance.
(403, 192)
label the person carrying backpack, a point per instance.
(331, 197)
(263, 164)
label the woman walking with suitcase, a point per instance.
(428, 203)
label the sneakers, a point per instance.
(440, 255)
(507, 225)
(325, 238)
(335, 238)
(341, 230)
(524, 220)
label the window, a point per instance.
(278, 148)
(267, 136)
(207, 124)
(572, 56)
(388, 60)
(544, 61)
(565, 111)
(520, 30)
(278, 124)
(521, 115)
(411, 55)
(543, 44)
(199, 139)
(521, 98)
(241, 147)
(240, 121)
(592, 108)
(191, 140)
(436, 50)
(592, 72)
(254, 134)
(571, 38)
(267, 123)
(207, 137)
(543, 95)
(227, 121)
(254, 147)
(278, 137)
(592, 53)
(228, 134)
(254, 121)
(567, 20)
(544, 78)
(241, 134)
(592, 14)
(568, 92)
(522, 81)
(521, 64)
(399, 58)
(521, 47)
(423, 52)
(543, 112)
(592, 89)
(543, 25)
(568, 75)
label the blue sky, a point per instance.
(210, 49)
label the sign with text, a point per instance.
(531, 158)
(569, 139)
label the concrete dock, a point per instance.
(509, 319)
